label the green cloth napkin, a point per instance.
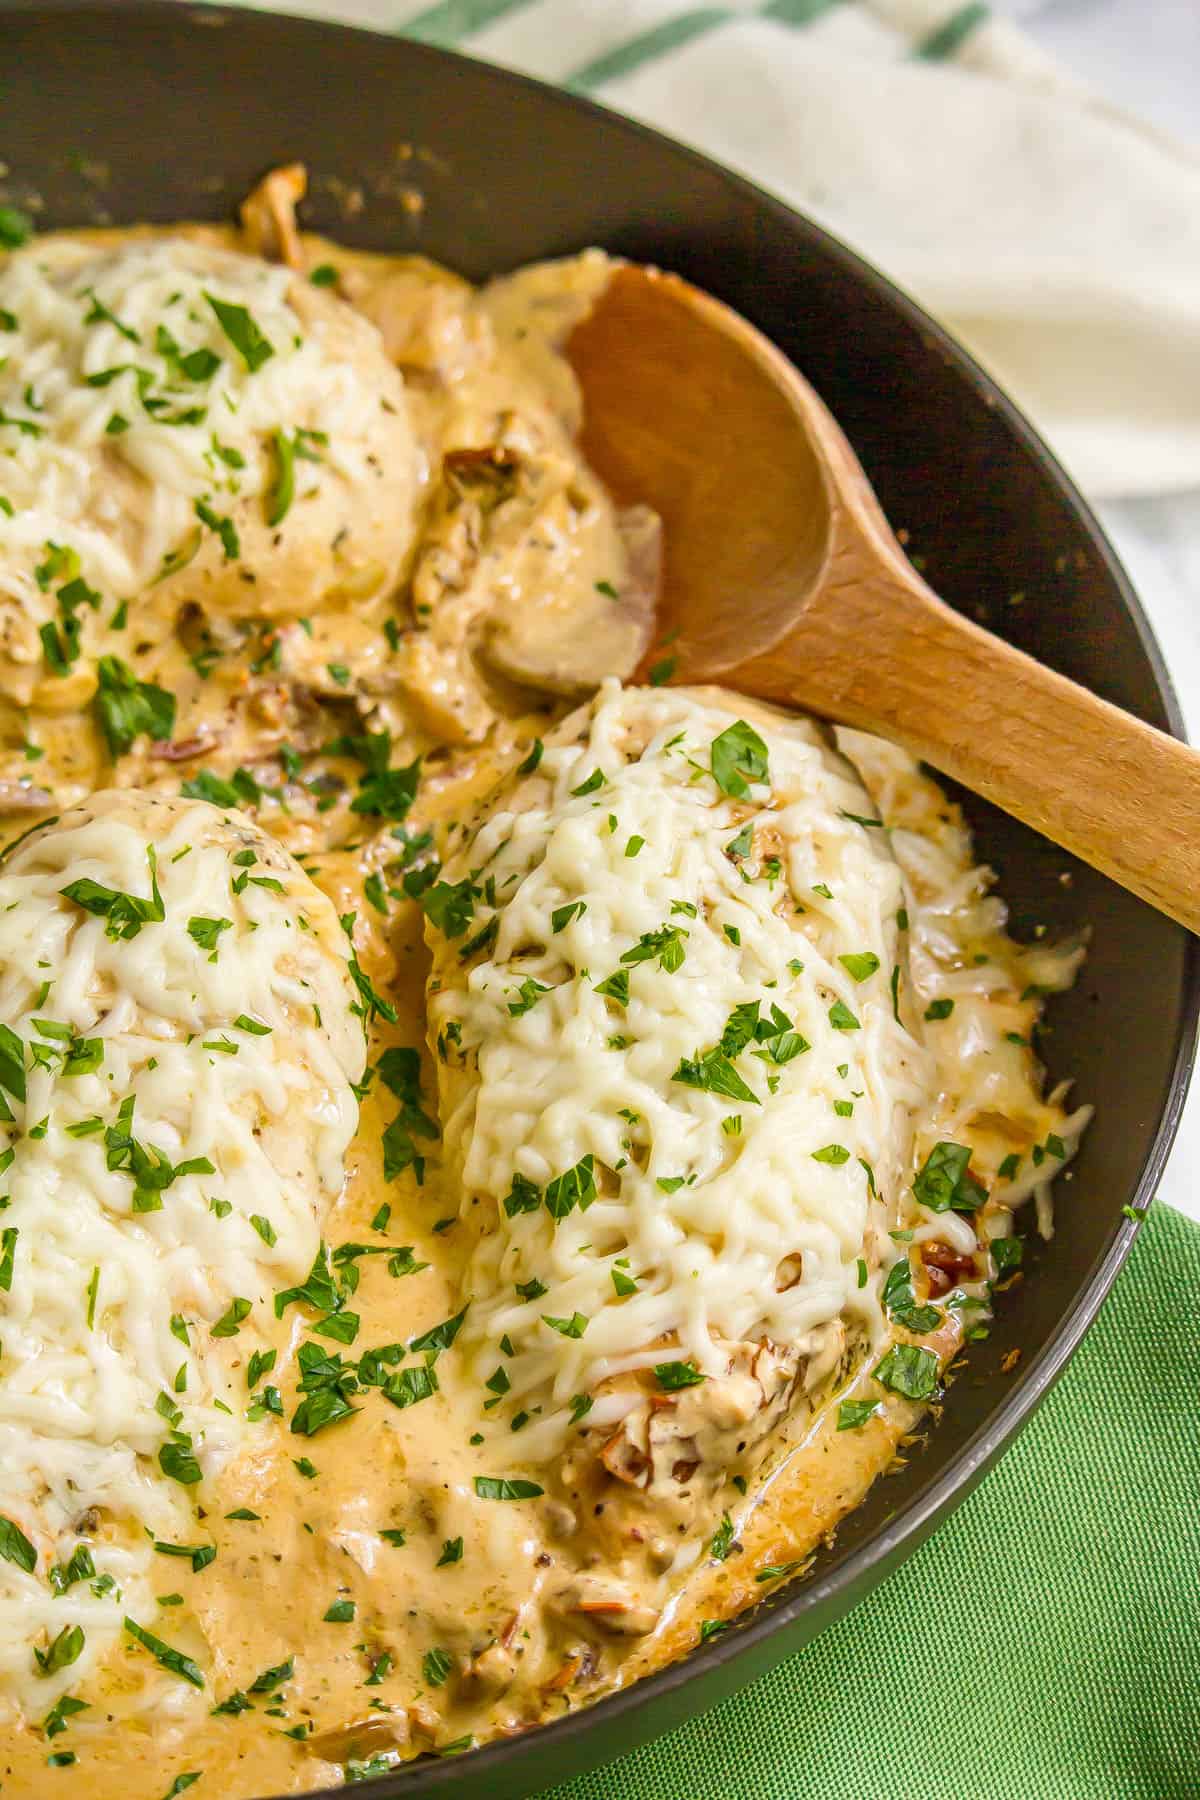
(1044, 1644)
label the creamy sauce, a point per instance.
(326, 1644)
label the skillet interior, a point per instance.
(161, 112)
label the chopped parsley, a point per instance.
(230, 1322)
(450, 906)
(739, 847)
(440, 1337)
(388, 793)
(861, 965)
(177, 1461)
(172, 1660)
(283, 489)
(674, 1375)
(63, 1650)
(777, 1570)
(15, 1547)
(909, 1369)
(16, 227)
(561, 917)
(8, 1247)
(400, 1072)
(524, 1196)
(224, 528)
(192, 365)
(721, 1542)
(408, 1386)
(664, 946)
(126, 913)
(243, 333)
(1007, 1253)
(528, 995)
(489, 1487)
(575, 1187)
(199, 1555)
(574, 1327)
(126, 707)
(945, 1183)
(55, 1720)
(272, 1678)
(205, 933)
(79, 1568)
(12, 1062)
(714, 1073)
(900, 1302)
(99, 314)
(739, 757)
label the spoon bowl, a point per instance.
(783, 579)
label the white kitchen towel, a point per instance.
(1056, 236)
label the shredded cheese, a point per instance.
(986, 995)
(718, 1217)
(149, 395)
(186, 1070)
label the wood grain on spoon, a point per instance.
(782, 579)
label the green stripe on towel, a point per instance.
(624, 58)
(447, 23)
(798, 12)
(949, 38)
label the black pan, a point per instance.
(150, 111)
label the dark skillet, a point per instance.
(186, 108)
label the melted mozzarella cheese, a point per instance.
(753, 1206)
(149, 394)
(178, 1104)
(987, 994)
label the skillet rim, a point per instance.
(904, 1530)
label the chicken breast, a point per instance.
(182, 424)
(178, 1040)
(678, 1083)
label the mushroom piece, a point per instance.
(268, 216)
(564, 639)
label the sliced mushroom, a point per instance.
(565, 638)
(268, 216)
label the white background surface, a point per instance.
(1145, 55)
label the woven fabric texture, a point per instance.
(1044, 1644)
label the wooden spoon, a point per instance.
(782, 578)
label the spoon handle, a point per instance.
(878, 650)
